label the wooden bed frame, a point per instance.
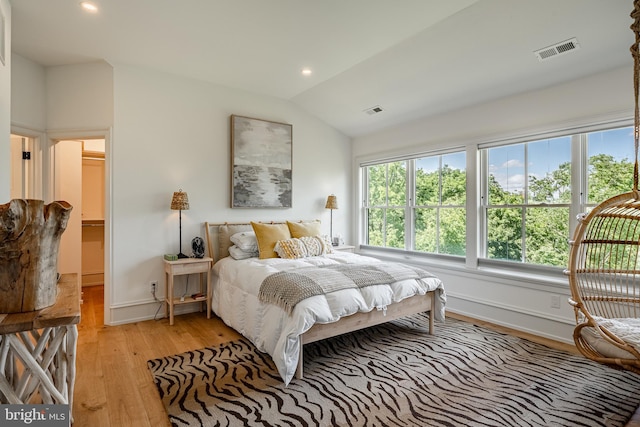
(354, 322)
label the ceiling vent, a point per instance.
(374, 110)
(557, 49)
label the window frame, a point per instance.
(476, 230)
(579, 190)
(524, 206)
(410, 206)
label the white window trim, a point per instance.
(475, 223)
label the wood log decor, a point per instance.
(30, 234)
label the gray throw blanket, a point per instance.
(287, 288)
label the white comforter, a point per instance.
(272, 330)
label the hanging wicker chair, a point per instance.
(604, 266)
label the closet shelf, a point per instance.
(93, 222)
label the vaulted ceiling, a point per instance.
(413, 58)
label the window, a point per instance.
(528, 197)
(439, 209)
(417, 204)
(386, 204)
(610, 164)
(529, 194)
(530, 189)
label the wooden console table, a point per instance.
(38, 350)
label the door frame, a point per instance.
(38, 165)
(49, 172)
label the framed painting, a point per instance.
(261, 160)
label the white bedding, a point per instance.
(235, 299)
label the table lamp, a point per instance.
(180, 202)
(332, 203)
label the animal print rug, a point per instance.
(397, 374)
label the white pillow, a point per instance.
(245, 241)
(237, 253)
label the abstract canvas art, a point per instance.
(261, 160)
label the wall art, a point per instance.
(261, 163)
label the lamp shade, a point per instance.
(180, 201)
(332, 202)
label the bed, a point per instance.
(236, 285)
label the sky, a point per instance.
(507, 163)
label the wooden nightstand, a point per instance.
(187, 266)
(344, 248)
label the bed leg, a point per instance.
(432, 314)
(300, 362)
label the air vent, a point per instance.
(374, 110)
(557, 49)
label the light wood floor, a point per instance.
(113, 384)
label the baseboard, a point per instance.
(147, 310)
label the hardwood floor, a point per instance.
(114, 386)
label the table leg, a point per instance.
(170, 299)
(72, 341)
(166, 294)
(209, 292)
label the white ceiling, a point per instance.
(412, 57)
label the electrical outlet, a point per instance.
(555, 301)
(154, 286)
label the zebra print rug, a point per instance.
(397, 374)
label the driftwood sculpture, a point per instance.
(30, 234)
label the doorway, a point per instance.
(79, 177)
(79, 172)
(51, 171)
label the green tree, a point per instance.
(608, 178)
(441, 229)
(555, 187)
(515, 232)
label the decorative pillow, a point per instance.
(237, 253)
(268, 235)
(315, 245)
(245, 241)
(302, 229)
(303, 247)
(290, 249)
(326, 241)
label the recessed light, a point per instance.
(306, 71)
(88, 6)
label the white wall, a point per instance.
(5, 107)
(167, 133)
(172, 133)
(509, 299)
(79, 97)
(28, 110)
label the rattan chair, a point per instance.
(604, 264)
(604, 275)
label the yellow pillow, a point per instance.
(268, 235)
(304, 229)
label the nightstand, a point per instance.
(344, 248)
(183, 266)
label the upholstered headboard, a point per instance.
(219, 236)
